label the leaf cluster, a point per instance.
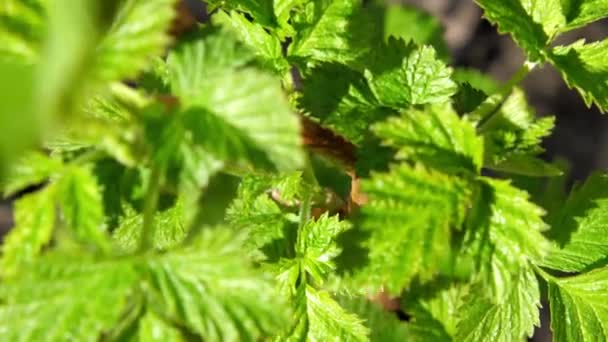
(289, 170)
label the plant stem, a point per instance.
(150, 205)
(487, 113)
(516, 79)
(308, 175)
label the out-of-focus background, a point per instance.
(581, 134)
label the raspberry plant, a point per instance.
(290, 170)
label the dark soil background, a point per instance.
(581, 134)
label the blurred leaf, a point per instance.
(81, 204)
(30, 170)
(410, 23)
(319, 318)
(213, 291)
(35, 216)
(265, 45)
(59, 299)
(383, 325)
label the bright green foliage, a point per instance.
(512, 135)
(81, 205)
(579, 306)
(169, 232)
(435, 136)
(162, 191)
(34, 223)
(534, 25)
(435, 310)
(262, 11)
(316, 246)
(244, 108)
(579, 228)
(341, 99)
(401, 75)
(21, 29)
(332, 31)
(513, 17)
(59, 299)
(34, 168)
(210, 288)
(384, 325)
(409, 216)
(504, 235)
(584, 67)
(262, 210)
(579, 13)
(320, 318)
(153, 328)
(133, 38)
(511, 320)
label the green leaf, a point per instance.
(580, 13)
(32, 169)
(383, 325)
(318, 317)
(34, 223)
(255, 212)
(579, 227)
(283, 10)
(59, 299)
(316, 246)
(436, 137)
(526, 23)
(584, 67)
(534, 24)
(579, 306)
(435, 309)
(106, 43)
(341, 100)
(503, 236)
(246, 105)
(169, 229)
(213, 291)
(512, 320)
(152, 328)
(333, 31)
(81, 204)
(22, 29)
(401, 74)
(512, 134)
(265, 45)
(526, 165)
(410, 213)
(134, 38)
(262, 11)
